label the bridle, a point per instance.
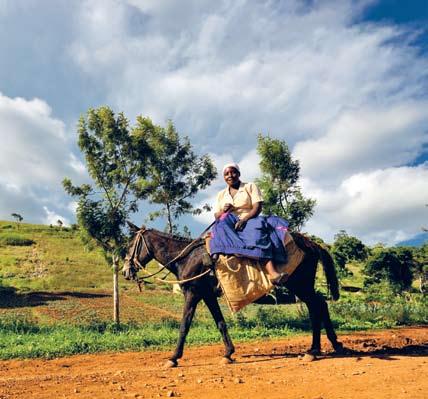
(139, 241)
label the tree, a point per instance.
(116, 160)
(420, 266)
(423, 227)
(59, 223)
(393, 265)
(346, 249)
(18, 219)
(175, 172)
(282, 195)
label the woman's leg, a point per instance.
(275, 277)
(270, 267)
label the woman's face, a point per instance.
(231, 176)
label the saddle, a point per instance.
(244, 280)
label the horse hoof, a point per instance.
(339, 349)
(170, 364)
(309, 357)
(342, 351)
(226, 360)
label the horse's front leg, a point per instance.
(191, 301)
(212, 304)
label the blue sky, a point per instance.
(343, 82)
(397, 11)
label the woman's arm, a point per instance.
(255, 211)
(226, 208)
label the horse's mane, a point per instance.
(304, 242)
(191, 244)
(172, 236)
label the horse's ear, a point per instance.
(132, 226)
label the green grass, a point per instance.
(56, 261)
(55, 300)
(25, 339)
(26, 336)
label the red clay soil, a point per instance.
(381, 364)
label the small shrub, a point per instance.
(16, 240)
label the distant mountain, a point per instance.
(416, 241)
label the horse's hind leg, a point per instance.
(212, 304)
(312, 301)
(319, 314)
(191, 301)
(328, 325)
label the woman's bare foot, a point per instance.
(280, 279)
(275, 277)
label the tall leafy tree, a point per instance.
(393, 265)
(282, 195)
(420, 267)
(175, 173)
(346, 249)
(115, 160)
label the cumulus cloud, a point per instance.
(34, 158)
(53, 217)
(237, 68)
(349, 97)
(366, 139)
(386, 205)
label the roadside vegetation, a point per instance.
(56, 300)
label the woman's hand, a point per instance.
(227, 207)
(240, 225)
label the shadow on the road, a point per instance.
(11, 298)
(385, 352)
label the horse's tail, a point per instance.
(330, 272)
(315, 250)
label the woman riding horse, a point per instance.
(239, 228)
(186, 260)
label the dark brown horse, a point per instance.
(186, 261)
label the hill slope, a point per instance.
(56, 261)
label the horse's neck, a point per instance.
(167, 248)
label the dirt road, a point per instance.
(382, 364)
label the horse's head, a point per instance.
(138, 254)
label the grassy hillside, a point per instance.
(56, 261)
(55, 299)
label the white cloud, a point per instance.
(72, 206)
(366, 139)
(349, 98)
(385, 205)
(235, 69)
(34, 158)
(53, 217)
(33, 143)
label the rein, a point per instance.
(175, 281)
(138, 246)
